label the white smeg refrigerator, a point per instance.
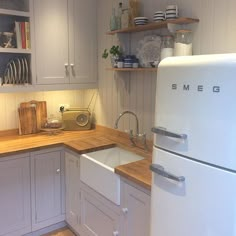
(194, 153)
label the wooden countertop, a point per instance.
(82, 142)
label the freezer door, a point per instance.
(200, 203)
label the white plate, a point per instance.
(26, 71)
(19, 72)
(22, 70)
(149, 50)
(14, 71)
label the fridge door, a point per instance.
(194, 98)
(201, 203)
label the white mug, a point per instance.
(120, 64)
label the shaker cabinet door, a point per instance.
(99, 216)
(15, 196)
(47, 190)
(51, 41)
(136, 211)
(83, 41)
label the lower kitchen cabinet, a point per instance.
(72, 175)
(15, 217)
(47, 190)
(135, 206)
(99, 217)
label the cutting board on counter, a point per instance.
(32, 114)
(27, 120)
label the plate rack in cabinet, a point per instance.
(15, 43)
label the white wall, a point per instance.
(9, 103)
(215, 33)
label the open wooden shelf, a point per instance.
(133, 69)
(154, 25)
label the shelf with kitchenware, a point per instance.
(155, 25)
(15, 43)
(139, 69)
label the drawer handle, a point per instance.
(58, 170)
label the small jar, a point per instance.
(183, 43)
(167, 46)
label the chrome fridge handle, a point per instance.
(164, 132)
(158, 169)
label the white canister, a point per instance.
(183, 43)
(167, 47)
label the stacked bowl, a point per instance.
(159, 16)
(141, 20)
(171, 12)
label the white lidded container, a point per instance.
(167, 47)
(183, 43)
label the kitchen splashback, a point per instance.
(9, 103)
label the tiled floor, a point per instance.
(61, 232)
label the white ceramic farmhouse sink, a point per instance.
(97, 170)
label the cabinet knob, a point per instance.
(115, 233)
(66, 65)
(72, 64)
(58, 170)
(125, 210)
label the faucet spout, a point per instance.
(131, 113)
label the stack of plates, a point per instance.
(140, 20)
(159, 16)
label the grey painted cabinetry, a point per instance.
(47, 187)
(91, 214)
(32, 191)
(135, 206)
(99, 217)
(15, 215)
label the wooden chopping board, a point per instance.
(27, 120)
(40, 108)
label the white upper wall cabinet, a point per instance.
(65, 35)
(83, 41)
(51, 41)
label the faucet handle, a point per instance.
(129, 131)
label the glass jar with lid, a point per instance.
(167, 46)
(183, 43)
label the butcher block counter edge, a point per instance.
(82, 142)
